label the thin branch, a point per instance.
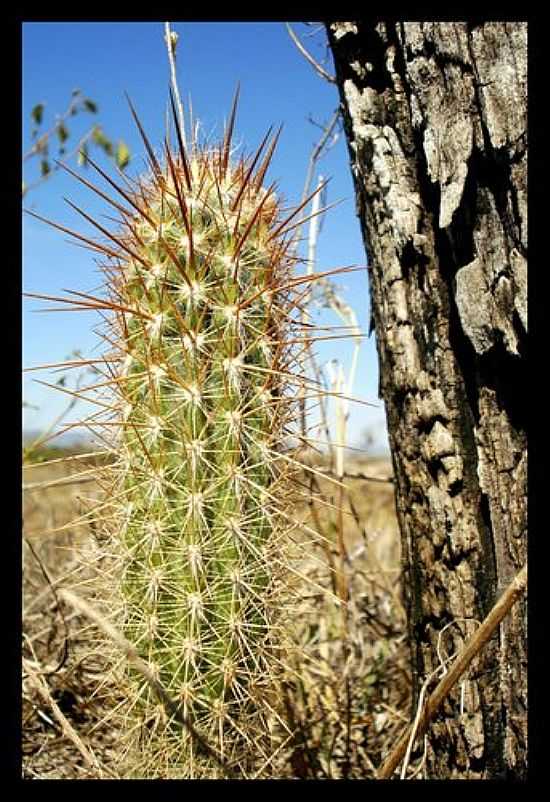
(314, 158)
(316, 31)
(38, 145)
(312, 246)
(62, 163)
(313, 233)
(347, 475)
(171, 39)
(76, 480)
(317, 67)
(65, 652)
(43, 691)
(473, 646)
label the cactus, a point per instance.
(198, 391)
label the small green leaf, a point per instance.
(98, 136)
(37, 113)
(90, 106)
(122, 155)
(62, 133)
(45, 168)
(61, 381)
(23, 189)
(100, 139)
(83, 156)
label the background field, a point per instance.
(350, 702)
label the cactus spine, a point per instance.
(203, 303)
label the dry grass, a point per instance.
(348, 702)
(59, 659)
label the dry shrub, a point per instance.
(347, 703)
(62, 668)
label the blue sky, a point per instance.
(277, 86)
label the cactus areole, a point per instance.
(202, 311)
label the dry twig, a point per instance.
(317, 67)
(41, 687)
(171, 39)
(474, 645)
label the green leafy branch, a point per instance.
(58, 135)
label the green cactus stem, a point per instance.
(202, 314)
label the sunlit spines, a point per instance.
(202, 303)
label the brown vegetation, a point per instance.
(347, 702)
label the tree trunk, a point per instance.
(435, 118)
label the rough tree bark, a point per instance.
(435, 118)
